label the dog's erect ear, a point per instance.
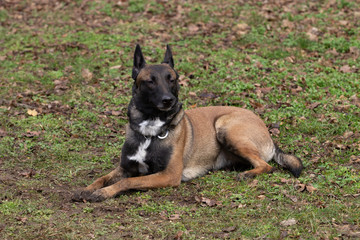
(168, 57)
(139, 62)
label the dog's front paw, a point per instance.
(81, 195)
(97, 196)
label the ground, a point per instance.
(65, 82)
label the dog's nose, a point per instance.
(167, 100)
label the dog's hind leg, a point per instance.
(248, 138)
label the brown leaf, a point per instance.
(266, 90)
(274, 131)
(193, 28)
(86, 74)
(116, 67)
(247, 59)
(348, 230)
(241, 29)
(315, 159)
(192, 94)
(3, 133)
(310, 188)
(178, 235)
(300, 187)
(31, 134)
(28, 174)
(206, 201)
(174, 217)
(355, 100)
(254, 183)
(355, 51)
(284, 180)
(348, 134)
(229, 229)
(287, 24)
(289, 222)
(354, 159)
(261, 197)
(296, 90)
(116, 113)
(21, 219)
(313, 105)
(183, 81)
(346, 69)
(32, 112)
(313, 34)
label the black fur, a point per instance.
(139, 62)
(157, 157)
(147, 103)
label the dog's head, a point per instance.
(156, 86)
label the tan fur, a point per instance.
(203, 139)
(200, 141)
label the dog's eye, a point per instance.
(151, 80)
(169, 78)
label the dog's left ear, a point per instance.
(168, 59)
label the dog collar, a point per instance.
(163, 136)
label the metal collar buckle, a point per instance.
(163, 136)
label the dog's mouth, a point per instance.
(166, 107)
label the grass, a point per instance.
(71, 62)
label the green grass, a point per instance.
(276, 71)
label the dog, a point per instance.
(165, 145)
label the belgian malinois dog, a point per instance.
(166, 145)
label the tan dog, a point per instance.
(165, 145)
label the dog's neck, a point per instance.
(154, 125)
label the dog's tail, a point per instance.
(290, 162)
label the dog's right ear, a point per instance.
(139, 62)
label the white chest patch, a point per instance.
(151, 127)
(140, 155)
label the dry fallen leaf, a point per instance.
(116, 67)
(313, 105)
(348, 134)
(86, 74)
(2, 133)
(355, 100)
(206, 201)
(32, 112)
(174, 217)
(287, 24)
(31, 134)
(229, 229)
(261, 197)
(300, 187)
(254, 183)
(310, 188)
(288, 222)
(241, 29)
(28, 174)
(275, 131)
(193, 28)
(346, 69)
(178, 235)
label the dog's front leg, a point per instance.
(106, 180)
(170, 177)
